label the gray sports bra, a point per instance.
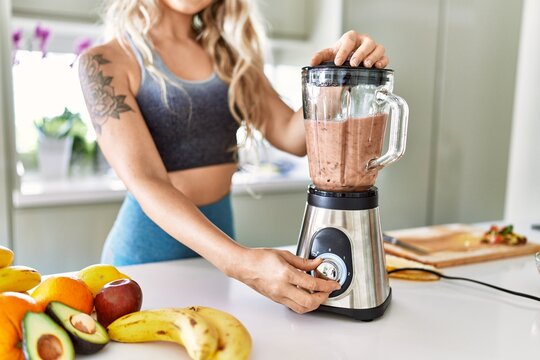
(196, 127)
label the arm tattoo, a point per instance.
(102, 102)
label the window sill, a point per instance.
(36, 192)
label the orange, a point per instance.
(13, 307)
(67, 290)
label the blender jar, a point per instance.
(345, 116)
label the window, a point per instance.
(44, 86)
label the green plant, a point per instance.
(69, 124)
(57, 127)
(83, 150)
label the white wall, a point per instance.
(523, 190)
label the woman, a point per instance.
(166, 95)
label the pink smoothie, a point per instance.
(339, 151)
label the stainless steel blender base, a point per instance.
(350, 242)
(360, 314)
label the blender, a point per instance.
(346, 110)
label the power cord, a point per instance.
(516, 293)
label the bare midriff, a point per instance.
(339, 152)
(204, 185)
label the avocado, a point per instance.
(43, 339)
(88, 335)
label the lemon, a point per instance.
(97, 275)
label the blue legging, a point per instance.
(136, 239)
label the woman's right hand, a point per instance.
(279, 275)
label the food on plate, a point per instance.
(43, 339)
(395, 262)
(503, 235)
(116, 299)
(234, 341)
(6, 256)
(18, 278)
(67, 290)
(178, 325)
(97, 275)
(13, 308)
(87, 335)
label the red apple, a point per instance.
(116, 299)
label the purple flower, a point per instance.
(81, 45)
(16, 38)
(42, 34)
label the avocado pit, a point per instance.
(49, 347)
(84, 323)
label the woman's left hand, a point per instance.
(358, 48)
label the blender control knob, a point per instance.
(328, 270)
(332, 268)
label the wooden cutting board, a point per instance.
(453, 244)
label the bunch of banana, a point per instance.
(15, 278)
(206, 333)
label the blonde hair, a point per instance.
(227, 32)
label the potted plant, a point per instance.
(84, 151)
(55, 142)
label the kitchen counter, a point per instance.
(426, 320)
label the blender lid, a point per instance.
(330, 74)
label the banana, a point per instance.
(97, 275)
(234, 340)
(6, 257)
(178, 325)
(18, 278)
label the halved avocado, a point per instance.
(43, 339)
(88, 335)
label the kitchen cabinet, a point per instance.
(455, 63)
(55, 239)
(272, 220)
(474, 109)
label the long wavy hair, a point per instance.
(228, 32)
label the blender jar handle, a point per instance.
(399, 117)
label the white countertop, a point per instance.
(431, 320)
